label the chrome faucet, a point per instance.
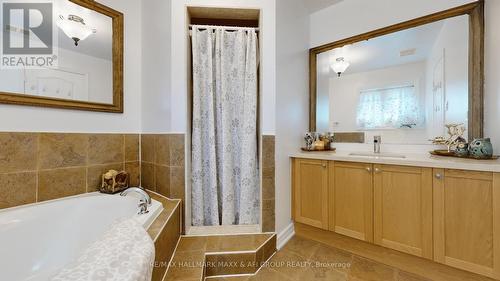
(376, 144)
(143, 203)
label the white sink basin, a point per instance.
(378, 155)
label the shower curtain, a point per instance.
(225, 171)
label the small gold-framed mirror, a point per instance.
(65, 54)
(404, 82)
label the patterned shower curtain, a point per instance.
(225, 171)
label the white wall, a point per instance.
(179, 53)
(156, 70)
(352, 17)
(99, 73)
(452, 44)
(37, 119)
(292, 98)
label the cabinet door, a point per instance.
(351, 200)
(311, 192)
(467, 220)
(403, 209)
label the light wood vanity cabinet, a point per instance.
(403, 209)
(467, 220)
(450, 216)
(351, 200)
(310, 192)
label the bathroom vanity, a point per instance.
(441, 209)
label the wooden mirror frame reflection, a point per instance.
(475, 11)
(117, 49)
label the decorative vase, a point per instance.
(309, 139)
(481, 148)
(462, 149)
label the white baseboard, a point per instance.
(285, 235)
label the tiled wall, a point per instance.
(162, 164)
(41, 166)
(268, 185)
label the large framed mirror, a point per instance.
(405, 81)
(79, 60)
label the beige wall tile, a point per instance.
(268, 215)
(18, 152)
(131, 148)
(148, 176)
(162, 182)
(268, 183)
(177, 183)
(148, 148)
(106, 148)
(17, 189)
(165, 245)
(177, 150)
(62, 150)
(59, 183)
(162, 150)
(134, 170)
(94, 174)
(354, 137)
(268, 151)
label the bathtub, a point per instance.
(39, 239)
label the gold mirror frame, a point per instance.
(117, 105)
(475, 11)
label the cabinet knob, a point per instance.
(323, 165)
(439, 176)
(377, 170)
(368, 169)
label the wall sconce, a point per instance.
(340, 66)
(75, 28)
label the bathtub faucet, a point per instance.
(143, 203)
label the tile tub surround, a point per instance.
(268, 183)
(163, 164)
(163, 170)
(165, 233)
(36, 167)
(197, 257)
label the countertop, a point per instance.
(412, 159)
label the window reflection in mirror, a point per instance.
(84, 70)
(404, 86)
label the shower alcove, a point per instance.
(232, 19)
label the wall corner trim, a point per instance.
(285, 235)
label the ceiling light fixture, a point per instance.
(75, 28)
(340, 66)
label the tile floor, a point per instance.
(305, 260)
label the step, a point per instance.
(216, 256)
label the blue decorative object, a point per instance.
(462, 149)
(481, 148)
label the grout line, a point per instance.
(171, 258)
(265, 242)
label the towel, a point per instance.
(124, 253)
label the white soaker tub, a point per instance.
(39, 239)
